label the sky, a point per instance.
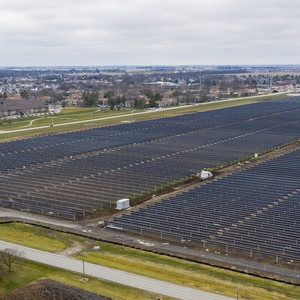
(153, 32)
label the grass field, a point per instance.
(25, 272)
(37, 237)
(190, 274)
(144, 263)
(85, 118)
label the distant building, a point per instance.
(166, 102)
(74, 98)
(21, 107)
(54, 108)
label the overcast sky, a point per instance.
(153, 32)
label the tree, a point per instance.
(9, 256)
(64, 86)
(108, 94)
(223, 86)
(123, 100)
(204, 98)
(234, 85)
(158, 96)
(120, 101)
(25, 94)
(175, 94)
(149, 94)
(152, 102)
(111, 102)
(153, 98)
(56, 97)
(141, 103)
(90, 99)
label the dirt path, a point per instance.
(74, 248)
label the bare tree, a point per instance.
(9, 256)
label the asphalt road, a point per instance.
(260, 268)
(125, 115)
(137, 281)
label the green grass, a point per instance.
(148, 264)
(151, 265)
(26, 272)
(88, 116)
(190, 274)
(37, 237)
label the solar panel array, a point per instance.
(71, 174)
(256, 210)
(20, 153)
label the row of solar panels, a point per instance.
(92, 181)
(257, 209)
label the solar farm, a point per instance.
(255, 210)
(72, 175)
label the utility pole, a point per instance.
(83, 271)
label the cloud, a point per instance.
(102, 32)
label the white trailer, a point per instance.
(123, 204)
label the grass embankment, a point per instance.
(190, 274)
(45, 239)
(38, 237)
(148, 264)
(86, 118)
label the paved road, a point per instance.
(12, 214)
(127, 115)
(140, 282)
(230, 260)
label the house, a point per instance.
(21, 107)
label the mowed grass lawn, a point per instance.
(25, 272)
(90, 115)
(194, 275)
(37, 237)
